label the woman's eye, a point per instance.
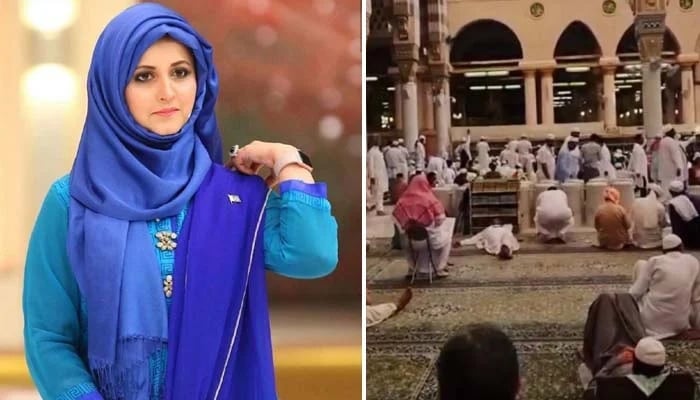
(181, 73)
(143, 76)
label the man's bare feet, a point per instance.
(405, 298)
(381, 213)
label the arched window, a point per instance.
(486, 86)
(628, 81)
(576, 80)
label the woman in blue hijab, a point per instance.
(145, 275)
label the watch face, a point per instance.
(305, 158)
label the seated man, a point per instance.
(649, 379)
(612, 222)
(480, 363)
(648, 216)
(667, 290)
(497, 240)
(683, 212)
(553, 217)
(493, 174)
(418, 207)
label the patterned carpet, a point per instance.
(540, 299)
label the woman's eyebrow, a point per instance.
(172, 65)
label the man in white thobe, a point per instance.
(378, 179)
(497, 240)
(667, 290)
(482, 155)
(436, 164)
(406, 158)
(670, 155)
(377, 313)
(523, 148)
(639, 163)
(606, 166)
(509, 155)
(568, 162)
(553, 217)
(546, 163)
(394, 160)
(448, 174)
(420, 153)
(575, 134)
(648, 216)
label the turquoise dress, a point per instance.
(300, 242)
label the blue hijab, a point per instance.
(123, 176)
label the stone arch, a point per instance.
(485, 40)
(575, 40)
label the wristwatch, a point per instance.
(292, 157)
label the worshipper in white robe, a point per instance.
(553, 217)
(606, 166)
(406, 157)
(448, 174)
(639, 163)
(482, 156)
(509, 156)
(575, 134)
(568, 162)
(436, 164)
(394, 160)
(528, 162)
(378, 179)
(648, 216)
(667, 290)
(653, 151)
(497, 240)
(420, 152)
(671, 165)
(546, 163)
(377, 313)
(524, 146)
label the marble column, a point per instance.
(687, 94)
(609, 100)
(398, 107)
(427, 106)
(409, 111)
(651, 99)
(547, 93)
(530, 97)
(442, 115)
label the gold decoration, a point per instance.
(537, 10)
(609, 7)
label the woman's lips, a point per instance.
(166, 112)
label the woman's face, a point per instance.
(161, 93)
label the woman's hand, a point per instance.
(251, 157)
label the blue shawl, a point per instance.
(219, 334)
(122, 177)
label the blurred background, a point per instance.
(290, 71)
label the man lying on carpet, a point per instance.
(480, 363)
(497, 240)
(381, 312)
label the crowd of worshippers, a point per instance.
(481, 362)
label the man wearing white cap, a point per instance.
(377, 178)
(546, 163)
(670, 158)
(508, 155)
(639, 163)
(568, 162)
(667, 290)
(462, 152)
(524, 146)
(394, 160)
(420, 152)
(482, 157)
(553, 217)
(683, 211)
